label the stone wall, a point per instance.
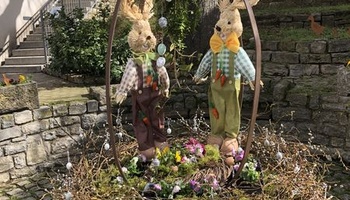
(30, 139)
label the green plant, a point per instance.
(183, 18)
(79, 45)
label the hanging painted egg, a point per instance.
(279, 155)
(161, 49)
(69, 165)
(68, 195)
(163, 22)
(106, 146)
(168, 131)
(168, 0)
(160, 62)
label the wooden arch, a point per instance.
(256, 91)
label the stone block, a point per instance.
(60, 110)
(330, 69)
(338, 46)
(35, 150)
(9, 133)
(23, 117)
(18, 97)
(32, 127)
(6, 163)
(20, 160)
(69, 120)
(92, 106)
(274, 69)
(4, 177)
(14, 148)
(77, 108)
(343, 82)
(340, 58)
(7, 121)
(42, 113)
(88, 121)
(285, 57)
(302, 47)
(318, 46)
(315, 58)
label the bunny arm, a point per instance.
(128, 81)
(242, 63)
(164, 80)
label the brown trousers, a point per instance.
(145, 103)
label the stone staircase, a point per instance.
(29, 57)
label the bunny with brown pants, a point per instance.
(147, 81)
(226, 61)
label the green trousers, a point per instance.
(225, 99)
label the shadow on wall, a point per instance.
(8, 21)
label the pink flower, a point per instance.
(193, 146)
(157, 187)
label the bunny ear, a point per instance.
(239, 4)
(223, 4)
(147, 10)
(135, 11)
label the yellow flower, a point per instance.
(158, 154)
(177, 156)
(165, 150)
(21, 78)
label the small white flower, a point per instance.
(176, 189)
(120, 179)
(125, 170)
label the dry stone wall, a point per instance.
(30, 139)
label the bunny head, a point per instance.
(141, 37)
(230, 18)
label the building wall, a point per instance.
(12, 13)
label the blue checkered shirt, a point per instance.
(242, 63)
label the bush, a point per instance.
(79, 45)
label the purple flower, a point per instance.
(195, 186)
(215, 184)
(235, 167)
(240, 154)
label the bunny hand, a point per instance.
(198, 80)
(252, 84)
(119, 98)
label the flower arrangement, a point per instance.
(173, 172)
(10, 81)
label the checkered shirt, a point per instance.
(130, 79)
(242, 64)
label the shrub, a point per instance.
(79, 45)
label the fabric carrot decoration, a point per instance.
(217, 74)
(222, 80)
(154, 85)
(215, 113)
(146, 120)
(148, 79)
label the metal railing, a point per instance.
(38, 19)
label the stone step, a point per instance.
(31, 44)
(21, 68)
(28, 52)
(34, 37)
(32, 60)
